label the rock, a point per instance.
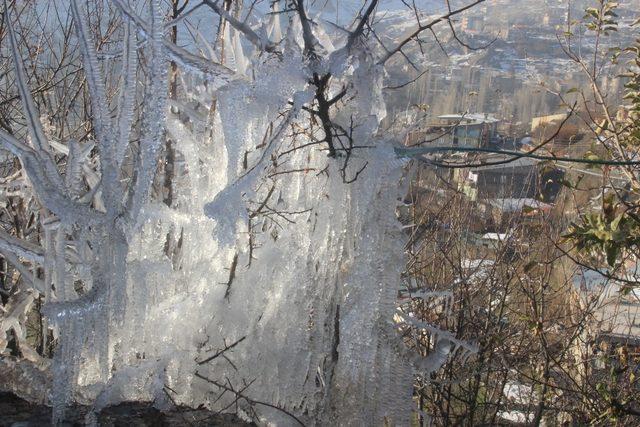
(17, 412)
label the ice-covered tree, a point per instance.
(267, 282)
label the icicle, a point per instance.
(240, 58)
(227, 207)
(128, 89)
(63, 286)
(227, 53)
(66, 366)
(274, 31)
(208, 46)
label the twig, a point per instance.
(232, 275)
(221, 352)
(248, 399)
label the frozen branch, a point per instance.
(310, 41)
(262, 43)
(153, 121)
(353, 36)
(219, 72)
(126, 102)
(21, 248)
(102, 123)
(38, 138)
(27, 275)
(52, 193)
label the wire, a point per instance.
(418, 151)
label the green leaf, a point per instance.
(530, 266)
(616, 222)
(612, 251)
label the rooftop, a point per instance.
(475, 118)
(618, 313)
(517, 205)
(510, 162)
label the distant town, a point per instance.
(486, 195)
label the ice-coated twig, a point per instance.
(27, 275)
(78, 309)
(12, 318)
(439, 333)
(102, 123)
(38, 138)
(446, 344)
(240, 395)
(73, 176)
(216, 73)
(221, 352)
(52, 193)
(39, 164)
(21, 248)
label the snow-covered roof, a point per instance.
(472, 264)
(518, 392)
(515, 416)
(590, 280)
(514, 205)
(618, 313)
(470, 118)
(496, 236)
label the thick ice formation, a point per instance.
(314, 308)
(269, 283)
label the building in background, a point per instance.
(457, 130)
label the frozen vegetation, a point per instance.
(270, 280)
